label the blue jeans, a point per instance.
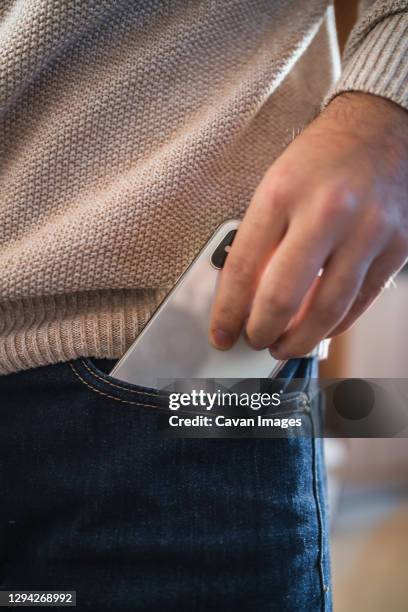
(93, 499)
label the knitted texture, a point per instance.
(376, 55)
(129, 131)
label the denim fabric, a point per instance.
(95, 500)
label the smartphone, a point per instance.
(174, 343)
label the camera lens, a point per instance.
(220, 254)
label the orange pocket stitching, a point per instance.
(117, 399)
(108, 382)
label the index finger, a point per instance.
(258, 235)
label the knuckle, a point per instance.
(227, 316)
(275, 187)
(239, 268)
(279, 304)
(337, 200)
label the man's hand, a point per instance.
(337, 200)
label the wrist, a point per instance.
(367, 110)
(371, 118)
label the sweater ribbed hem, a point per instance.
(379, 66)
(40, 331)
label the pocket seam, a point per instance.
(111, 384)
(127, 388)
(117, 399)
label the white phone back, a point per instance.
(174, 343)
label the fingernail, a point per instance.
(222, 339)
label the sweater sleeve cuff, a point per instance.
(379, 65)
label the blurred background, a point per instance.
(368, 478)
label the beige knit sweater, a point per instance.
(130, 130)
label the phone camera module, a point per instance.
(220, 254)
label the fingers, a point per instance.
(267, 277)
(350, 283)
(325, 306)
(270, 276)
(310, 309)
(258, 235)
(284, 283)
(377, 279)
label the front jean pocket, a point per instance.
(106, 387)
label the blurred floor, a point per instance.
(370, 523)
(370, 552)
